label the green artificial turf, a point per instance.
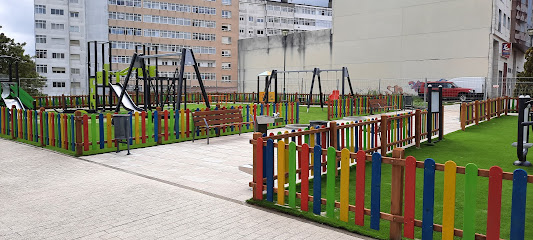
(486, 145)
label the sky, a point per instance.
(16, 19)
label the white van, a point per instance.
(476, 83)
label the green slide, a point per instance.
(24, 97)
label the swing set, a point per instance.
(273, 79)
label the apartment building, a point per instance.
(209, 27)
(259, 18)
(59, 45)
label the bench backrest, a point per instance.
(217, 117)
(374, 103)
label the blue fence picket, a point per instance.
(375, 195)
(101, 123)
(518, 211)
(317, 188)
(156, 126)
(429, 199)
(269, 165)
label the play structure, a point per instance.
(105, 84)
(273, 78)
(12, 93)
(525, 119)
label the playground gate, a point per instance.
(299, 162)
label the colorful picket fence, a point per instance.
(359, 105)
(83, 134)
(474, 112)
(275, 177)
(55, 102)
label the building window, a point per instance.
(58, 41)
(73, 1)
(58, 70)
(41, 24)
(260, 20)
(40, 38)
(241, 30)
(226, 27)
(226, 14)
(250, 19)
(75, 43)
(74, 57)
(508, 23)
(226, 2)
(58, 26)
(226, 40)
(40, 53)
(499, 20)
(226, 53)
(41, 68)
(260, 32)
(58, 84)
(75, 71)
(54, 11)
(74, 14)
(40, 9)
(74, 28)
(226, 66)
(241, 18)
(58, 56)
(226, 78)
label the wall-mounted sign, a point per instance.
(506, 50)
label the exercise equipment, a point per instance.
(525, 118)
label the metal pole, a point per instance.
(284, 63)
(429, 114)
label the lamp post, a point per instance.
(284, 32)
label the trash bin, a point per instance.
(122, 130)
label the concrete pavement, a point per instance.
(184, 190)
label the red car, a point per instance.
(449, 90)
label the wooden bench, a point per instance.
(379, 104)
(217, 119)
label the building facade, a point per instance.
(396, 44)
(60, 42)
(209, 27)
(259, 18)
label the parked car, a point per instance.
(449, 91)
(476, 83)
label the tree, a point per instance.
(33, 82)
(524, 82)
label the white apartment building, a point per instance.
(60, 42)
(258, 18)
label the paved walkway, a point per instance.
(185, 190)
(46, 195)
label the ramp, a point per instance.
(127, 102)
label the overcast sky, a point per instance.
(16, 19)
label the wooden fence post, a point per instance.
(418, 125)
(256, 136)
(463, 116)
(506, 105)
(41, 122)
(487, 108)
(13, 122)
(476, 112)
(159, 127)
(78, 127)
(384, 128)
(396, 204)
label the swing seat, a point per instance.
(526, 145)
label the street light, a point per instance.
(284, 32)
